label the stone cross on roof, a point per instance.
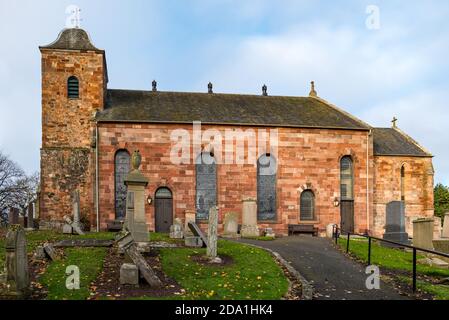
(394, 122)
(74, 18)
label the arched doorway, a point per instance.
(163, 210)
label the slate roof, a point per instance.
(184, 107)
(392, 141)
(72, 39)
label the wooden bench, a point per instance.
(302, 228)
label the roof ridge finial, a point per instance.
(313, 92)
(154, 85)
(265, 90)
(394, 122)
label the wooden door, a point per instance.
(347, 216)
(163, 210)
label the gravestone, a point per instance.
(129, 274)
(76, 224)
(50, 252)
(136, 221)
(197, 232)
(13, 216)
(445, 233)
(268, 232)
(231, 225)
(213, 235)
(176, 231)
(189, 217)
(395, 224)
(193, 242)
(249, 219)
(16, 263)
(30, 220)
(423, 233)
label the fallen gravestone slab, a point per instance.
(145, 270)
(50, 252)
(197, 232)
(83, 243)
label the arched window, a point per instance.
(403, 183)
(73, 88)
(206, 185)
(307, 206)
(346, 178)
(266, 188)
(121, 169)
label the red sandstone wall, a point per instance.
(67, 159)
(306, 157)
(418, 188)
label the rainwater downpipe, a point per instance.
(367, 180)
(97, 177)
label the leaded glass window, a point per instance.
(346, 178)
(122, 168)
(266, 188)
(206, 185)
(307, 206)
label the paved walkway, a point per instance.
(332, 275)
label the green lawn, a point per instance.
(253, 275)
(397, 259)
(90, 263)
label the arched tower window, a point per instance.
(307, 206)
(266, 187)
(73, 88)
(346, 178)
(206, 184)
(403, 183)
(121, 169)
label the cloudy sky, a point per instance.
(400, 69)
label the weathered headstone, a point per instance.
(30, 220)
(197, 232)
(39, 253)
(212, 235)
(176, 231)
(395, 224)
(193, 242)
(423, 233)
(50, 252)
(76, 224)
(145, 270)
(189, 217)
(136, 221)
(437, 227)
(445, 233)
(17, 273)
(13, 216)
(269, 233)
(231, 225)
(249, 219)
(441, 245)
(129, 274)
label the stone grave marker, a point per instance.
(176, 231)
(212, 237)
(30, 220)
(76, 224)
(129, 274)
(395, 224)
(445, 233)
(249, 218)
(50, 252)
(423, 233)
(16, 263)
(13, 216)
(145, 270)
(231, 225)
(197, 232)
(189, 217)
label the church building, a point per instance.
(329, 166)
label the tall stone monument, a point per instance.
(136, 221)
(395, 224)
(17, 273)
(212, 236)
(249, 218)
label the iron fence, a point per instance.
(337, 233)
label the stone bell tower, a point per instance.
(74, 82)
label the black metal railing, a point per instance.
(337, 232)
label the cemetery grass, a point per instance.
(253, 275)
(400, 262)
